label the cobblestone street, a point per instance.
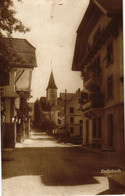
(42, 166)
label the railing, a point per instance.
(86, 105)
(95, 100)
(91, 74)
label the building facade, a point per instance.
(63, 111)
(70, 117)
(74, 122)
(99, 56)
(18, 80)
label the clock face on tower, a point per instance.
(52, 95)
(52, 91)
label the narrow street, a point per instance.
(42, 166)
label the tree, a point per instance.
(45, 104)
(8, 24)
(41, 121)
(24, 107)
(48, 125)
(38, 113)
(8, 21)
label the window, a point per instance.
(81, 121)
(71, 110)
(59, 121)
(110, 87)
(71, 119)
(71, 129)
(109, 53)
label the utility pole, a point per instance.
(65, 118)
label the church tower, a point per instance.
(51, 91)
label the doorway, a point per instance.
(110, 129)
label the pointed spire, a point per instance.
(51, 83)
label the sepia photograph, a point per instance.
(62, 97)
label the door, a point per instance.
(110, 130)
(9, 136)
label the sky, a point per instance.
(53, 25)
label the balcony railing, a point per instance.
(111, 29)
(95, 100)
(92, 74)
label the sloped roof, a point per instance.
(68, 96)
(76, 95)
(107, 7)
(51, 83)
(24, 53)
(111, 6)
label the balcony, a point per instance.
(95, 100)
(110, 30)
(92, 77)
(86, 106)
